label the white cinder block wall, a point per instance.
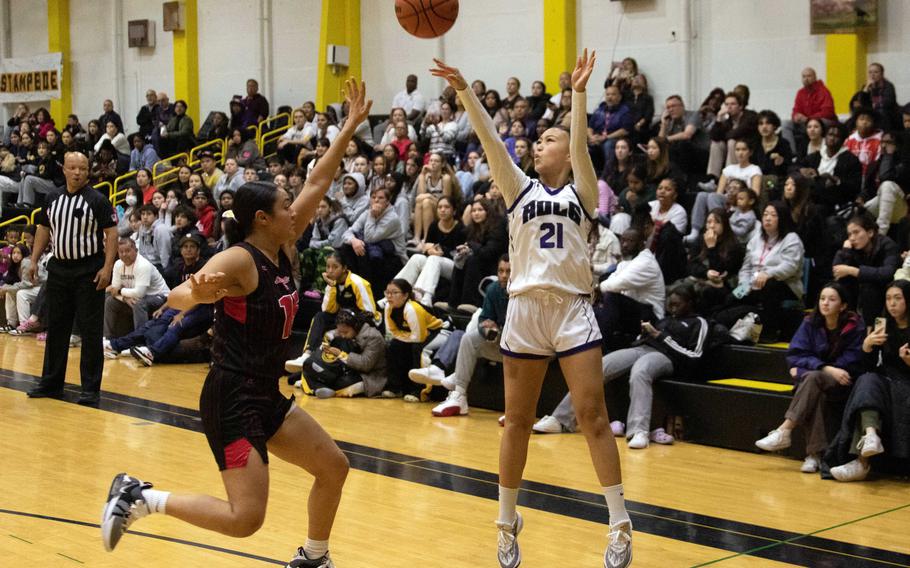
(763, 44)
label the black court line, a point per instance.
(715, 532)
(143, 534)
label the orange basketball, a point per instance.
(426, 18)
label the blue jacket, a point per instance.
(146, 159)
(619, 117)
(495, 303)
(809, 347)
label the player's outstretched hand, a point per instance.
(207, 288)
(582, 72)
(358, 104)
(450, 74)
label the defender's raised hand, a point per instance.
(450, 74)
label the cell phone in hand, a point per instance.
(879, 325)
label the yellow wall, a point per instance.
(845, 67)
(58, 39)
(559, 33)
(340, 26)
(186, 61)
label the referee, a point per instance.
(81, 225)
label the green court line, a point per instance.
(20, 538)
(796, 538)
(70, 558)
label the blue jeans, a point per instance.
(160, 336)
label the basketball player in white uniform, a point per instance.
(550, 310)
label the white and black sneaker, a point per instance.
(301, 560)
(143, 354)
(508, 552)
(124, 506)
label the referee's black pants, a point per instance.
(71, 294)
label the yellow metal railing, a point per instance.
(164, 172)
(218, 147)
(15, 220)
(266, 139)
(30, 218)
(115, 190)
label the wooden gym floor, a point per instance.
(421, 490)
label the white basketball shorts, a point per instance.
(544, 323)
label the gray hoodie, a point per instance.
(386, 227)
(154, 243)
(353, 207)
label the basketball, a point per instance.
(426, 18)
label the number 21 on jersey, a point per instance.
(552, 235)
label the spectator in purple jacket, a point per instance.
(825, 356)
(611, 121)
(255, 106)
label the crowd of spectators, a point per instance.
(709, 220)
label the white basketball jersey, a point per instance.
(548, 241)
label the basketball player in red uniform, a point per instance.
(244, 415)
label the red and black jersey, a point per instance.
(252, 331)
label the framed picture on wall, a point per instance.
(843, 16)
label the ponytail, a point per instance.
(251, 197)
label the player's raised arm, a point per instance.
(582, 168)
(320, 179)
(506, 174)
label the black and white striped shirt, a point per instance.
(77, 222)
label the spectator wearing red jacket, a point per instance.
(813, 100)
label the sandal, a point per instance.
(660, 436)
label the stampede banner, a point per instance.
(36, 78)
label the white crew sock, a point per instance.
(508, 501)
(315, 548)
(155, 500)
(616, 504)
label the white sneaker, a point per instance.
(448, 382)
(810, 464)
(870, 445)
(507, 552)
(639, 441)
(431, 375)
(296, 365)
(548, 425)
(75, 341)
(108, 352)
(456, 404)
(619, 550)
(775, 440)
(382, 303)
(411, 398)
(852, 471)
